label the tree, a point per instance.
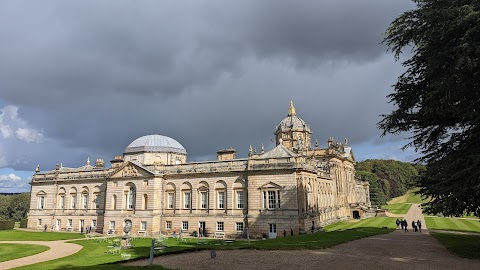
(437, 99)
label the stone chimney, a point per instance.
(117, 161)
(226, 154)
(99, 163)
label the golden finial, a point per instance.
(291, 110)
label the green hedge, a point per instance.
(23, 223)
(7, 224)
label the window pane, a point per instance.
(220, 226)
(240, 199)
(221, 199)
(187, 200)
(272, 202)
(204, 201)
(170, 200)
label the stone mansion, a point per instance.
(294, 186)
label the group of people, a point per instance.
(88, 229)
(417, 226)
(285, 233)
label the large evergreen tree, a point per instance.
(438, 99)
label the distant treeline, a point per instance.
(388, 178)
(14, 207)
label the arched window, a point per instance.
(41, 200)
(239, 193)
(187, 195)
(61, 198)
(203, 195)
(170, 195)
(221, 188)
(85, 198)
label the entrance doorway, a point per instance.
(82, 224)
(272, 231)
(59, 224)
(356, 215)
(201, 229)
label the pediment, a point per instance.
(130, 170)
(270, 185)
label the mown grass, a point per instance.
(378, 222)
(93, 254)
(452, 224)
(19, 235)
(409, 197)
(467, 246)
(15, 251)
(397, 208)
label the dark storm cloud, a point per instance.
(93, 76)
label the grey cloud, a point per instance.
(93, 76)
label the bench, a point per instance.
(219, 235)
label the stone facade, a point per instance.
(291, 187)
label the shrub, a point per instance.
(7, 224)
(23, 223)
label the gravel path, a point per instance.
(58, 249)
(396, 250)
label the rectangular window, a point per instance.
(171, 200)
(168, 225)
(70, 223)
(39, 221)
(74, 201)
(220, 226)
(143, 226)
(94, 223)
(186, 200)
(62, 202)
(41, 202)
(264, 199)
(278, 199)
(272, 200)
(240, 200)
(204, 200)
(97, 202)
(239, 226)
(221, 199)
(184, 225)
(85, 201)
(112, 225)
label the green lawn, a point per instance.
(19, 235)
(453, 224)
(15, 251)
(397, 208)
(378, 222)
(467, 246)
(94, 253)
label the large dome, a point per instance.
(155, 143)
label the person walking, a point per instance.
(414, 226)
(45, 228)
(405, 224)
(419, 224)
(284, 233)
(291, 232)
(398, 223)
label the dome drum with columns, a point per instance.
(156, 150)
